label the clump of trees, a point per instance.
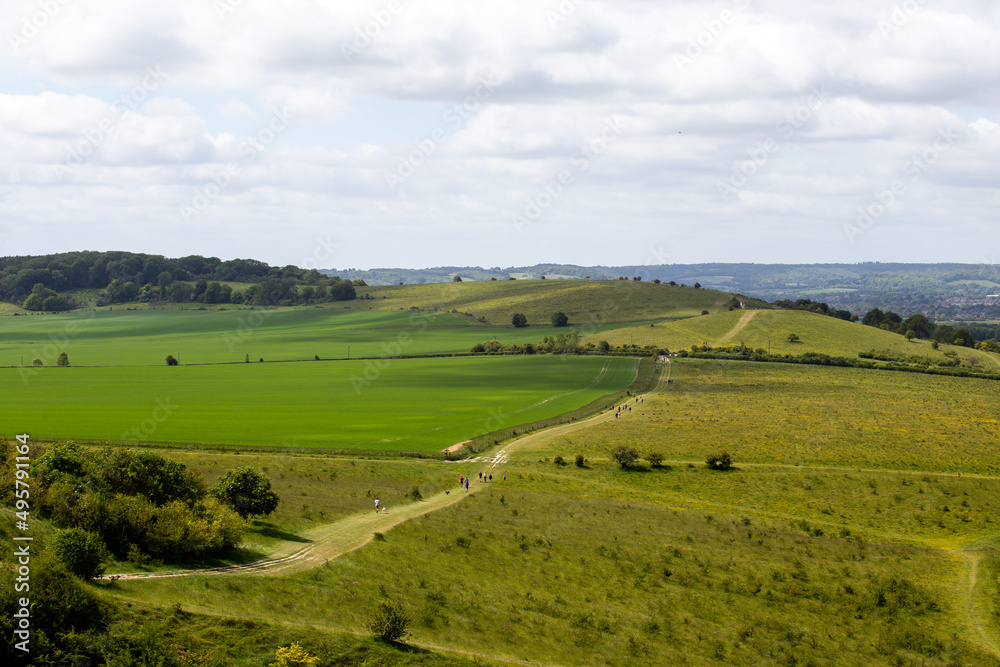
(816, 307)
(920, 327)
(137, 505)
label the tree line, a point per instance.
(35, 282)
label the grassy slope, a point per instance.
(586, 302)
(817, 333)
(402, 404)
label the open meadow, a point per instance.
(858, 524)
(832, 554)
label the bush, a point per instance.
(655, 459)
(519, 320)
(171, 361)
(63, 360)
(559, 319)
(82, 552)
(293, 656)
(580, 461)
(415, 494)
(719, 461)
(625, 456)
(389, 622)
(559, 461)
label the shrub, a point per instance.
(719, 461)
(37, 362)
(519, 320)
(82, 552)
(293, 656)
(389, 622)
(415, 494)
(559, 319)
(171, 361)
(792, 337)
(704, 312)
(580, 461)
(559, 461)
(655, 459)
(63, 360)
(625, 456)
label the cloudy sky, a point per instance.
(420, 133)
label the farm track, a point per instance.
(743, 321)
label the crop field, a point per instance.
(146, 337)
(769, 329)
(392, 404)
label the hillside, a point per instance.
(769, 329)
(586, 302)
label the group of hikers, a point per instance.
(463, 482)
(625, 407)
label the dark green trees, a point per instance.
(519, 320)
(559, 319)
(248, 491)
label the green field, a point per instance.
(769, 329)
(146, 337)
(397, 404)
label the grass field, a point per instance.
(859, 525)
(399, 404)
(146, 337)
(769, 329)
(588, 303)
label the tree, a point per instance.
(389, 622)
(719, 461)
(697, 285)
(910, 334)
(248, 491)
(625, 456)
(792, 337)
(604, 347)
(655, 459)
(171, 361)
(82, 552)
(456, 279)
(63, 360)
(559, 319)
(519, 320)
(37, 362)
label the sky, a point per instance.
(399, 133)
